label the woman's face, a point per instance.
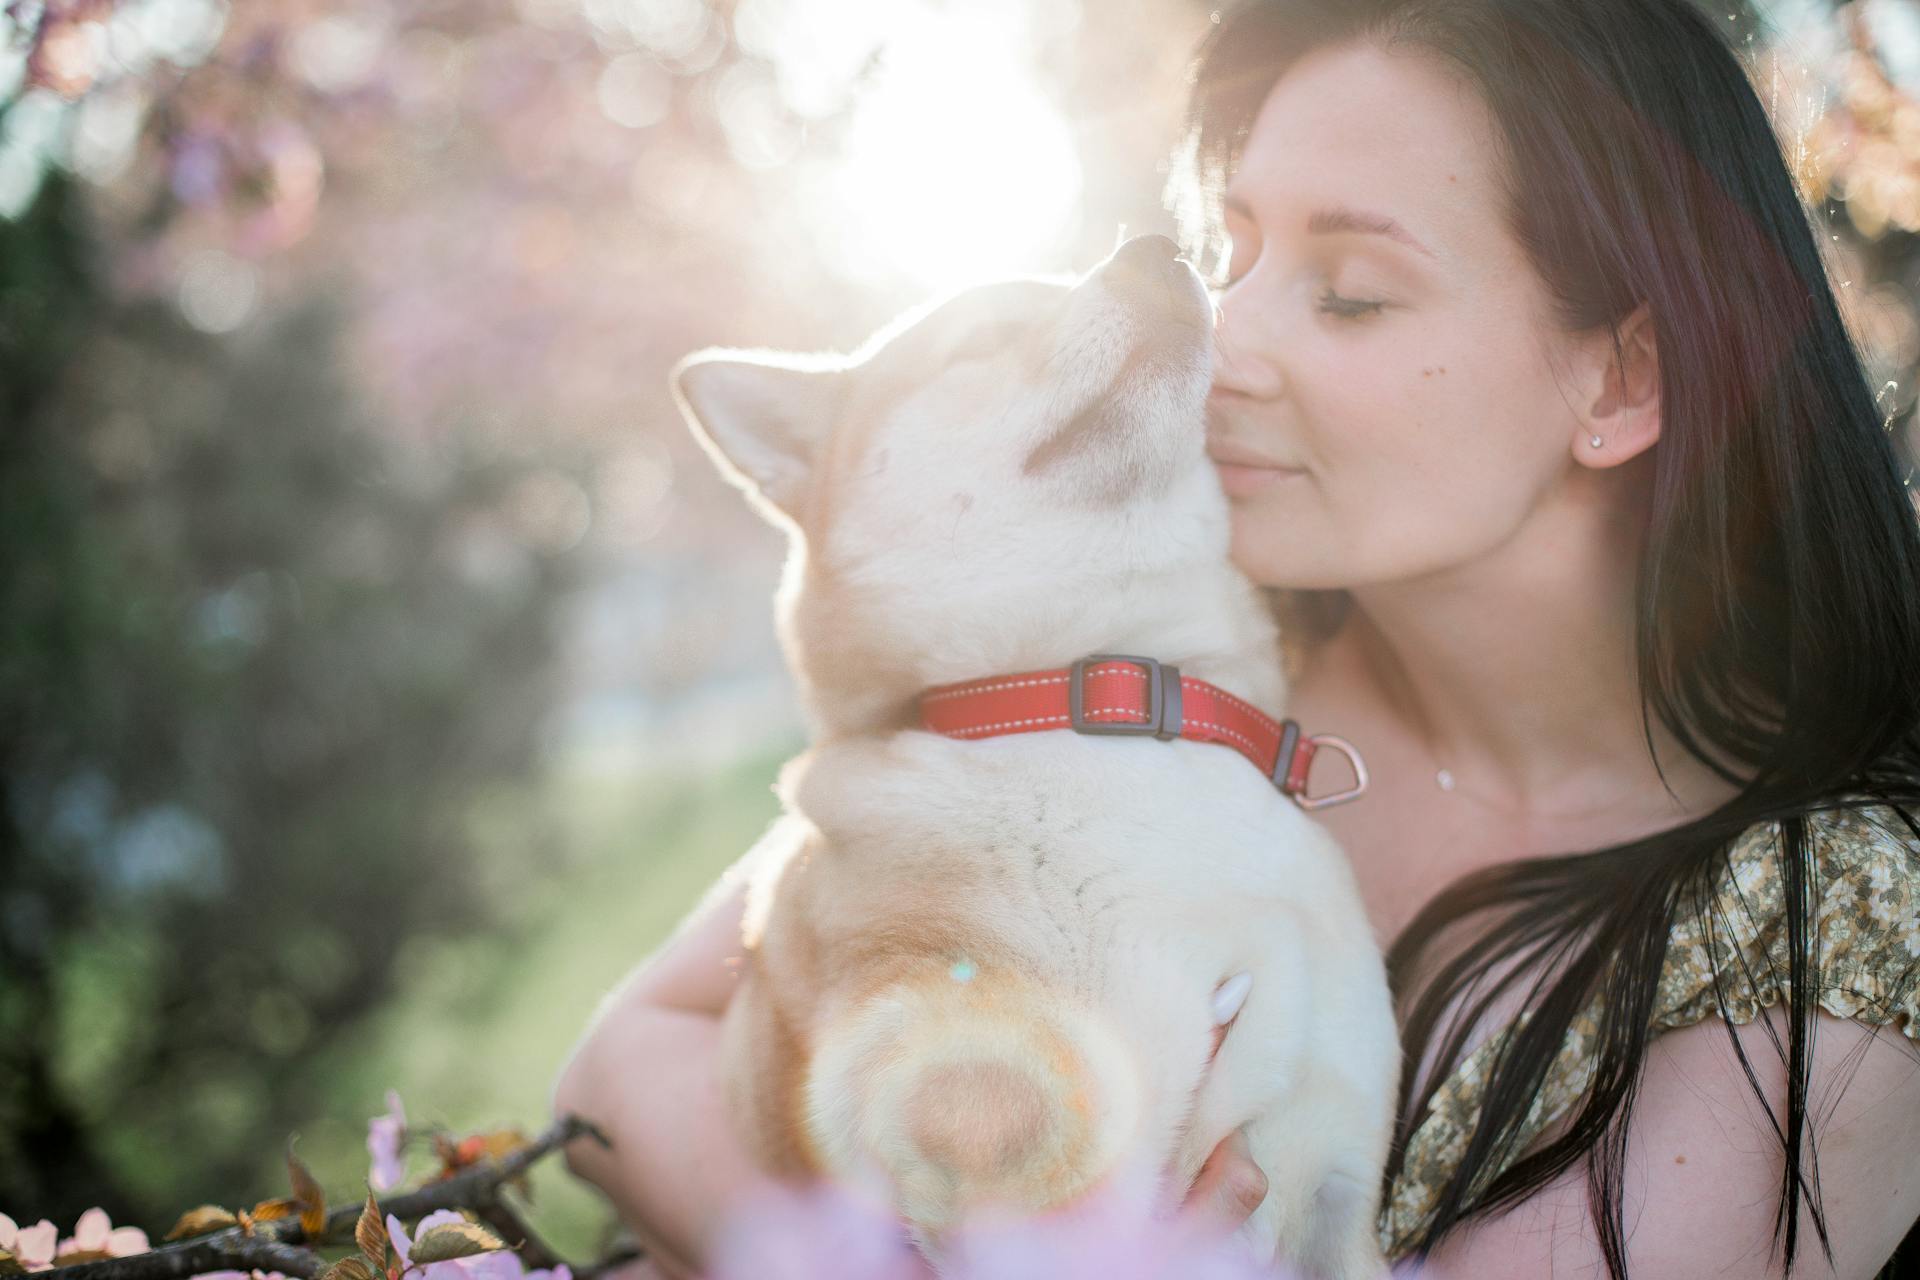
(1384, 403)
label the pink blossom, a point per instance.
(32, 1247)
(385, 1134)
(95, 1233)
(833, 1233)
(1110, 1237)
(498, 1264)
(824, 1231)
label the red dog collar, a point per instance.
(1117, 693)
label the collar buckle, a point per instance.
(1354, 761)
(1163, 699)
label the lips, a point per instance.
(1244, 472)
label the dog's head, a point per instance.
(1010, 476)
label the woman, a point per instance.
(1533, 403)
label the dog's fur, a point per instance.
(985, 967)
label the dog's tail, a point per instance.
(971, 1089)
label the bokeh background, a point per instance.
(382, 670)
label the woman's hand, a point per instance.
(1229, 1186)
(676, 1164)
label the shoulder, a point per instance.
(1858, 870)
(1704, 1159)
(1868, 915)
(1703, 1164)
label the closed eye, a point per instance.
(1333, 304)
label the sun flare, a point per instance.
(956, 166)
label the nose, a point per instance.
(1145, 262)
(1246, 357)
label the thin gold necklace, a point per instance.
(1445, 779)
(1448, 783)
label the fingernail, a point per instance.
(1230, 996)
(1241, 1185)
(1246, 1188)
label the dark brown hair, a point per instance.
(1778, 621)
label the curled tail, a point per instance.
(971, 1090)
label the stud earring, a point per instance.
(1595, 441)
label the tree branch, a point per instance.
(507, 1223)
(620, 1257)
(229, 1250)
(464, 1190)
(275, 1246)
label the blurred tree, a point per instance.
(263, 630)
(251, 679)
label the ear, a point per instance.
(1622, 397)
(762, 416)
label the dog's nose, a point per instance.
(1146, 258)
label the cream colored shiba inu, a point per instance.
(985, 967)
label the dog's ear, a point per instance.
(762, 415)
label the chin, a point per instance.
(1274, 554)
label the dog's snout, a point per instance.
(1146, 260)
(1148, 274)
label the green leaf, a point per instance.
(348, 1268)
(454, 1240)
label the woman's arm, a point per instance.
(647, 1072)
(1703, 1166)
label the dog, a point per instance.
(983, 965)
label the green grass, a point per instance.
(480, 1026)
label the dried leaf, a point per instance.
(371, 1234)
(454, 1240)
(348, 1268)
(501, 1143)
(472, 1149)
(10, 1265)
(73, 1257)
(306, 1190)
(198, 1222)
(272, 1210)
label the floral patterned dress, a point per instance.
(1867, 918)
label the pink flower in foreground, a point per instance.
(403, 1244)
(95, 1233)
(32, 1247)
(829, 1233)
(384, 1136)
(255, 1274)
(1111, 1237)
(497, 1264)
(812, 1234)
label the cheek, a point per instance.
(1417, 468)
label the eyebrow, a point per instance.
(1339, 219)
